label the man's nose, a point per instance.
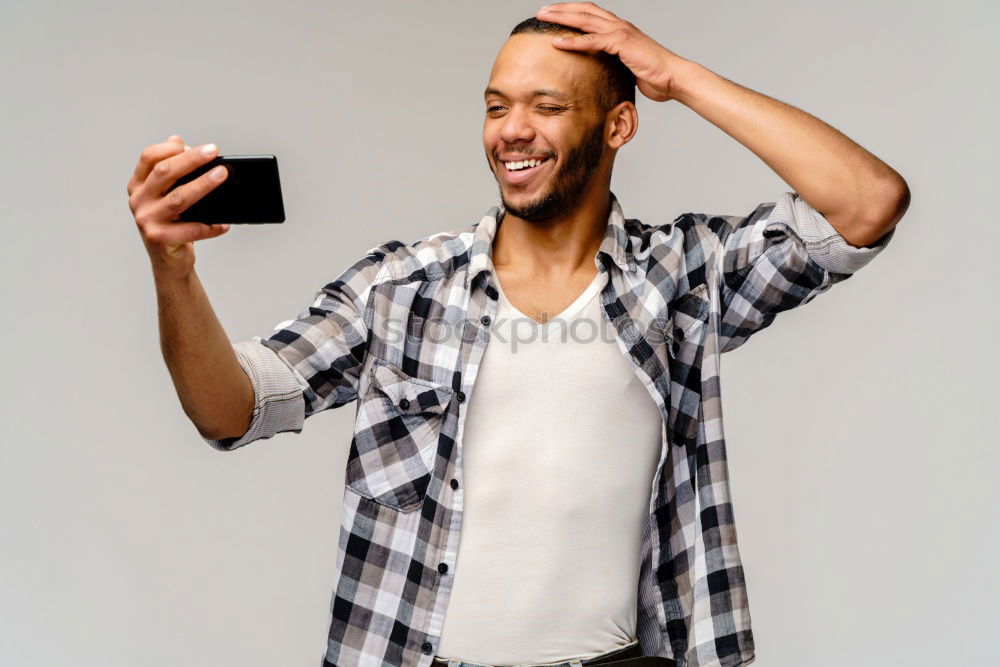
(516, 127)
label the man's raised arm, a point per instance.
(213, 388)
(862, 197)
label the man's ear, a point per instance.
(624, 120)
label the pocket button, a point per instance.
(404, 404)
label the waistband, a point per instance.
(628, 651)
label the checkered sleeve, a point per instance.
(311, 363)
(780, 256)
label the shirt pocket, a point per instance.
(686, 345)
(396, 437)
(689, 321)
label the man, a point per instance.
(581, 482)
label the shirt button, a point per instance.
(485, 319)
(454, 483)
(404, 404)
(461, 396)
(442, 568)
(426, 648)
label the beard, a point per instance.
(568, 183)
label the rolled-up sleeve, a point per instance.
(278, 398)
(311, 363)
(780, 256)
(823, 243)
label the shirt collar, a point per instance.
(615, 244)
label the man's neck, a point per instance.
(554, 249)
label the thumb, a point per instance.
(179, 233)
(216, 230)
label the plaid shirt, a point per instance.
(403, 331)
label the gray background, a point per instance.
(860, 442)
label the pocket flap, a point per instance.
(409, 394)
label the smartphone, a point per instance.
(251, 193)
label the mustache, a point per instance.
(523, 151)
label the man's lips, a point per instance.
(522, 175)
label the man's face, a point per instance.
(540, 105)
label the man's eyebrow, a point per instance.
(542, 92)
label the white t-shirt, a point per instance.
(551, 571)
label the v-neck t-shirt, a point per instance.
(561, 444)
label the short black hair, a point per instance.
(616, 82)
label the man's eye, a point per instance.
(542, 108)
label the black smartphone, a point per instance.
(251, 193)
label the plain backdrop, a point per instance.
(860, 427)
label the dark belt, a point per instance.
(630, 657)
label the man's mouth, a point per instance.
(522, 170)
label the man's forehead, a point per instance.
(528, 65)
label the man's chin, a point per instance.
(519, 206)
(522, 198)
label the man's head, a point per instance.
(571, 110)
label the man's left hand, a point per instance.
(653, 65)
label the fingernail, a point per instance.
(208, 149)
(225, 227)
(218, 173)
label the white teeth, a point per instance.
(513, 166)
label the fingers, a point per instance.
(588, 7)
(165, 172)
(592, 41)
(151, 155)
(156, 211)
(582, 20)
(174, 136)
(175, 202)
(169, 242)
(604, 31)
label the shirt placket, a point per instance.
(609, 295)
(480, 316)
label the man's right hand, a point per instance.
(170, 243)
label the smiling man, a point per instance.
(554, 122)
(564, 500)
